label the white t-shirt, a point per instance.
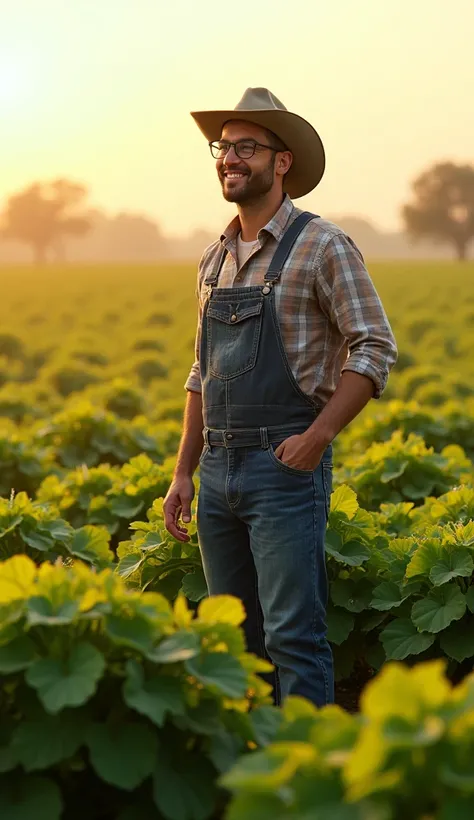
(244, 249)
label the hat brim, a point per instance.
(298, 134)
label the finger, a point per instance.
(186, 511)
(171, 522)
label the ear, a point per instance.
(285, 161)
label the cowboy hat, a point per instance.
(260, 106)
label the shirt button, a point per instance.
(233, 318)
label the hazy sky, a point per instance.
(100, 91)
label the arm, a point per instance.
(181, 492)
(348, 297)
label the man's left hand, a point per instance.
(301, 454)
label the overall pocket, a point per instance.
(233, 334)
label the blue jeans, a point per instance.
(261, 528)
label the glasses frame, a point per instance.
(234, 145)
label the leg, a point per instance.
(225, 549)
(287, 515)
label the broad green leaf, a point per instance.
(393, 468)
(129, 564)
(266, 720)
(17, 576)
(17, 655)
(155, 697)
(458, 640)
(41, 610)
(123, 754)
(340, 624)
(30, 798)
(426, 555)
(135, 631)
(219, 670)
(372, 621)
(225, 749)
(470, 599)
(184, 787)
(442, 606)
(352, 595)
(386, 596)
(352, 553)
(67, 682)
(46, 741)
(451, 565)
(221, 609)
(178, 647)
(269, 770)
(126, 506)
(344, 500)
(400, 639)
(203, 719)
(194, 586)
(92, 544)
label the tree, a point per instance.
(443, 207)
(42, 214)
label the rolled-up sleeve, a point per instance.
(351, 302)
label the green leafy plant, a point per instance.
(111, 496)
(34, 529)
(113, 703)
(152, 559)
(399, 470)
(409, 754)
(85, 434)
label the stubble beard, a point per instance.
(255, 187)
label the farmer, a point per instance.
(292, 342)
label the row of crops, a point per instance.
(125, 692)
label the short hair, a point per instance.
(277, 142)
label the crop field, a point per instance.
(125, 692)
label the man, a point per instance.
(292, 342)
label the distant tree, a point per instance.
(42, 214)
(443, 206)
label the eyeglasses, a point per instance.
(243, 148)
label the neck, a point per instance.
(255, 215)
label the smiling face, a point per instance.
(247, 180)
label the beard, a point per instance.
(250, 188)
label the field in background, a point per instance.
(63, 330)
(139, 681)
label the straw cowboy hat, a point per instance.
(260, 106)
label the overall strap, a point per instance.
(285, 246)
(213, 275)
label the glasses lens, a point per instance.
(245, 149)
(219, 149)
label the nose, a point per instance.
(231, 157)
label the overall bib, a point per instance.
(261, 523)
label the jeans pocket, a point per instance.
(285, 467)
(327, 484)
(205, 450)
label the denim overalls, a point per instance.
(261, 523)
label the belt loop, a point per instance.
(205, 434)
(264, 437)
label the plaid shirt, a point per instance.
(330, 314)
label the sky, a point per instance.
(99, 91)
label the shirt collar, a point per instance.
(276, 226)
